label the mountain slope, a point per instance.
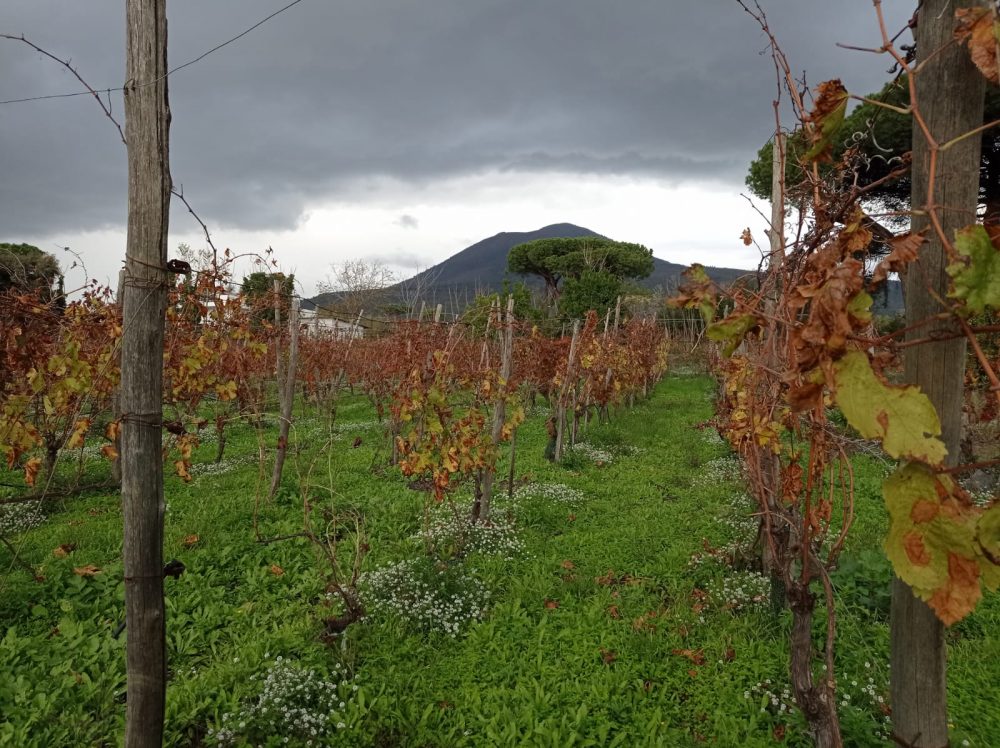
(482, 268)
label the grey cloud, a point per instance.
(332, 93)
(400, 258)
(407, 221)
(625, 164)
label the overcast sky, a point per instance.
(403, 131)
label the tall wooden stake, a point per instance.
(286, 394)
(506, 336)
(564, 391)
(147, 128)
(950, 94)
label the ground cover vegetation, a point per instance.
(800, 340)
(619, 606)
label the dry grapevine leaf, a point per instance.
(977, 28)
(64, 550)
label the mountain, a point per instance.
(482, 268)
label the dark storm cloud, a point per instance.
(332, 93)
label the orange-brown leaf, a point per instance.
(62, 551)
(977, 28)
(86, 571)
(79, 434)
(182, 470)
(905, 249)
(924, 511)
(276, 570)
(697, 656)
(31, 468)
(960, 594)
(190, 540)
(916, 551)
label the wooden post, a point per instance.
(286, 395)
(437, 313)
(500, 410)
(147, 128)
(950, 93)
(355, 327)
(564, 393)
(771, 466)
(277, 302)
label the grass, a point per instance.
(601, 631)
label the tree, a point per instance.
(524, 308)
(413, 291)
(949, 96)
(357, 285)
(577, 258)
(147, 128)
(591, 290)
(26, 268)
(258, 293)
(881, 138)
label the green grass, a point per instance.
(568, 654)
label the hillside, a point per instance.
(482, 267)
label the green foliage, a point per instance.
(731, 331)
(863, 579)
(936, 543)
(572, 258)
(882, 135)
(26, 268)
(903, 418)
(258, 291)
(976, 274)
(590, 290)
(525, 310)
(595, 669)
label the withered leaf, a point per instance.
(697, 656)
(977, 28)
(905, 249)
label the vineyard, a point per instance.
(755, 513)
(468, 533)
